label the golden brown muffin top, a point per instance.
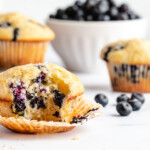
(67, 82)
(17, 27)
(134, 51)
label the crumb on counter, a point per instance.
(75, 138)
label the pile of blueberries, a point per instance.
(95, 10)
(125, 105)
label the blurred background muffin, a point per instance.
(22, 40)
(128, 64)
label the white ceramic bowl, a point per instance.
(79, 43)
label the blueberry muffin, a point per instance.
(22, 40)
(128, 63)
(43, 94)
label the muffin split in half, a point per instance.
(45, 93)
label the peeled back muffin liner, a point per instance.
(21, 53)
(32, 126)
(129, 78)
(82, 111)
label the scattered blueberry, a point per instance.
(122, 98)
(95, 10)
(124, 108)
(138, 96)
(101, 99)
(135, 103)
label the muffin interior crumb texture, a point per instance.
(44, 92)
(38, 99)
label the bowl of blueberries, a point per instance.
(83, 28)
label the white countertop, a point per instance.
(108, 132)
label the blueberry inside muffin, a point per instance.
(37, 97)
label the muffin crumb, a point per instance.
(75, 138)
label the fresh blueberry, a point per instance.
(122, 98)
(78, 3)
(122, 16)
(79, 13)
(89, 17)
(131, 15)
(95, 10)
(65, 17)
(103, 6)
(124, 108)
(124, 8)
(111, 3)
(103, 17)
(138, 96)
(135, 103)
(89, 4)
(113, 11)
(72, 12)
(101, 99)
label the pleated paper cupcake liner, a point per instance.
(129, 78)
(32, 126)
(80, 110)
(21, 53)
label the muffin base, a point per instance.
(21, 53)
(129, 78)
(32, 126)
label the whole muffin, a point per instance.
(128, 64)
(22, 40)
